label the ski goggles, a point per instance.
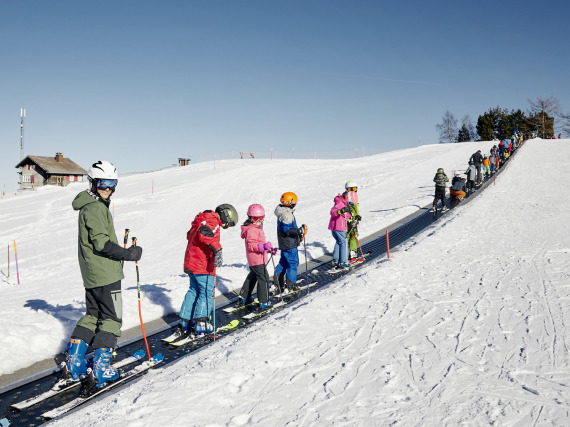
(352, 189)
(107, 184)
(256, 218)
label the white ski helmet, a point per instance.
(102, 169)
(350, 184)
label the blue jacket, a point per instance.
(287, 230)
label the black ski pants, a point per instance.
(439, 195)
(257, 275)
(102, 323)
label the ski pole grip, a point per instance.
(134, 240)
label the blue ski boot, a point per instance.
(203, 326)
(75, 364)
(103, 371)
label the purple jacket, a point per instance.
(253, 234)
(338, 221)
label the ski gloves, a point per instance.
(343, 210)
(115, 252)
(302, 231)
(267, 247)
(218, 258)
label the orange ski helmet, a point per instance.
(289, 199)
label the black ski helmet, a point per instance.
(228, 215)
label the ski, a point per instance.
(65, 385)
(261, 313)
(233, 309)
(359, 259)
(230, 326)
(290, 292)
(139, 369)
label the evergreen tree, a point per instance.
(487, 124)
(464, 135)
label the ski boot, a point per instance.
(265, 305)
(183, 331)
(75, 365)
(103, 371)
(203, 326)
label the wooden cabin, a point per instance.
(37, 171)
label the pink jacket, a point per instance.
(338, 221)
(253, 234)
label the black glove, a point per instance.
(343, 210)
(301, 230)
(218, 258)
(358, 218)
(135, 253)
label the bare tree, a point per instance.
(565, 123)
(448, 128)
(544, 110)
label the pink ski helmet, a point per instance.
(255, 210)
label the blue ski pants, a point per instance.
(340, 254)
(289, 262)
(198, 300)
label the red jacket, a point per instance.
(203, 241)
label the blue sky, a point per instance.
(141, 83)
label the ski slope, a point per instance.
(466, 324)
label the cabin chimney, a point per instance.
(59, 157)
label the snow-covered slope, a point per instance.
(467, 324)
(39, 314)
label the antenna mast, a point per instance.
(22, 115)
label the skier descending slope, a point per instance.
(289, 238)
(203, 255)
(100, 262)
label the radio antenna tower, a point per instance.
(22, 115)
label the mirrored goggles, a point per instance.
(107, 184)
(257, 218)
(352, 189)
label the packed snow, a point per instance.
(465, 324)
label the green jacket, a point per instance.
(95, 229)
(440, 179)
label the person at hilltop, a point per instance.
(100, 262)
(256, 249)
(203, 255)
(289, 237)
(440, 180)
(340, 214)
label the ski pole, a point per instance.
(214, 298)
(16, 257)
(134, 240)
(276, 284)
(306, 266)
(125, 240)
(358, 241)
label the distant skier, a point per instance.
(256, 249)
(440, 180)
(471, 173)
(289, 237)
(354, 220)
(100, 259)
(502, 151)
(340, 213)
(493, 162)
(203, 255)
(486, 167)
(477, 159)
(458, 189)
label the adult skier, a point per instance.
(477, 159)
(440, 180)
(352, 227)
(289, 237)
(340, 213)
(100, 259)
(203, 254)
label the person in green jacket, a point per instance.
(101, 268)
(352, 224)
(440, 180)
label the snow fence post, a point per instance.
(16, 256)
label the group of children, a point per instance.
(101, 259)
(481, 167)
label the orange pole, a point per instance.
(134, 240)
(387, 243)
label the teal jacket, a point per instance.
(95, 230)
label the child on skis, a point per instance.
(100, 259)
(457, 190)
(340, 213)
(486, 167)
(440, 180)
(289, 237)
(471, 173)
(203, 255)
(256, 249)
(355, 218)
